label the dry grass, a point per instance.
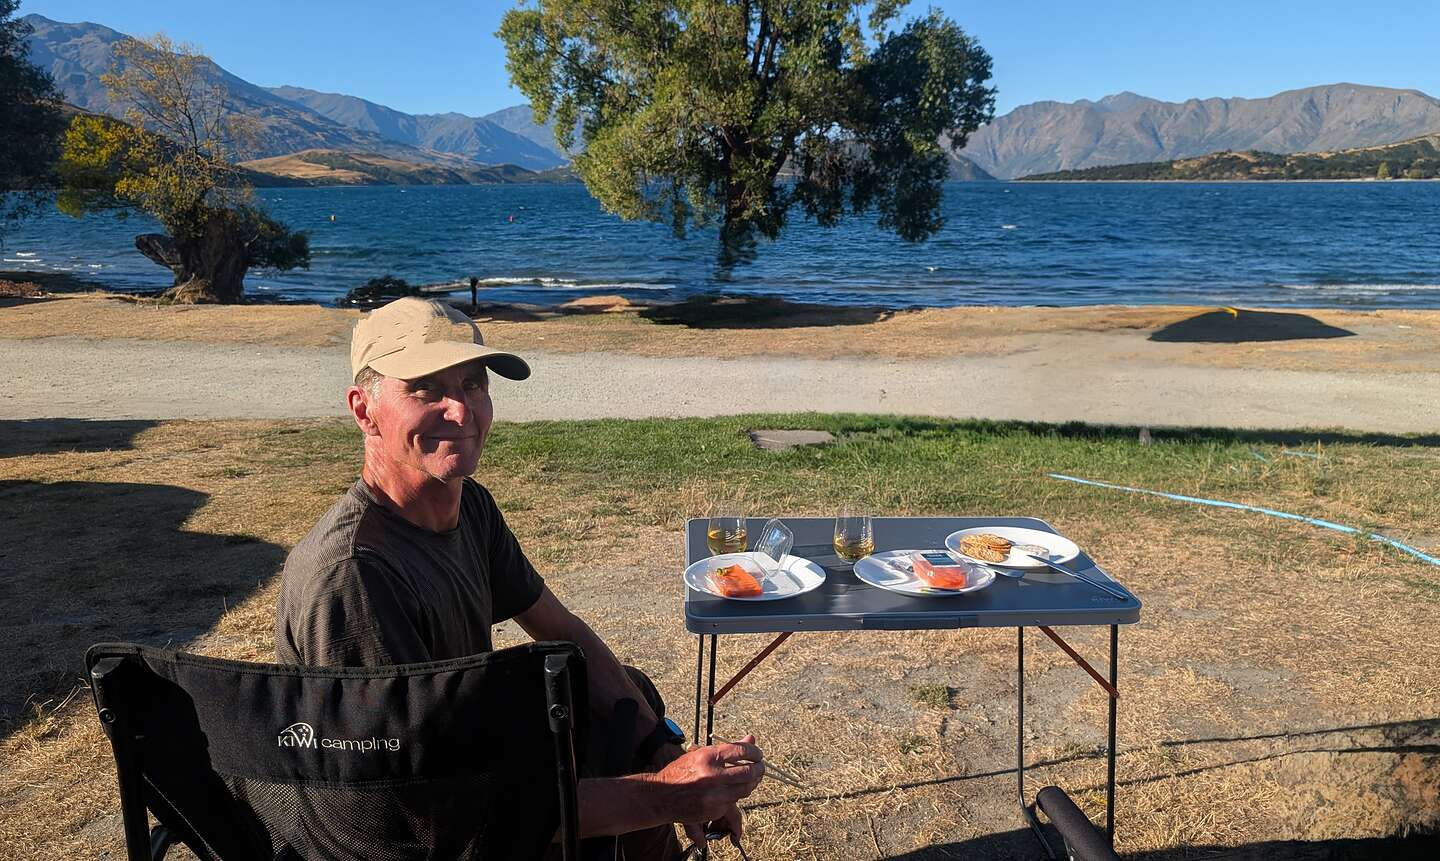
(1385, 341)
(1282, 683)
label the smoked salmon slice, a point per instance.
(939, 576)
(733, 581)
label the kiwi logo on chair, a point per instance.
(302, 734)
(298, 735)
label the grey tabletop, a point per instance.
(844, 603)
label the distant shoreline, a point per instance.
(1276, 181)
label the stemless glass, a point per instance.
(854, 536)
(726, 532)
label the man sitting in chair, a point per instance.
(415, 563)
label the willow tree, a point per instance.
(731, 112)
(171, 158)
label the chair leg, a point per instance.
(161, 839)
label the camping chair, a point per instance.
(456, 759)
(1083, 841)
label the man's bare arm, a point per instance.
(621, 805)
(699, 786)
(548, 619)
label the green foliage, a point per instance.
(378, 291)
(697, 112)
(172, 159)
(1412, 159)
(30, 124)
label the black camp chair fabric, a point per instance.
(445, 760)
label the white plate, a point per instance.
(891, 570)
(796, 577)
(1061, 549)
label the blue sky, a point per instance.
(432, 56)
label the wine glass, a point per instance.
(726, 531)
(854, 536)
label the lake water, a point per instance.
(1362, 245)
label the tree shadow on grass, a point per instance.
(907, 426)
(713, 311)
(53, 282)
(1224, 327)
(82, 562)
(16, 301)
(1406, 738)
(44, 436)
(1021, 843)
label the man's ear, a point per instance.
(359, 402)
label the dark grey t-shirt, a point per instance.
(366, 587)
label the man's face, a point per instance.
(435, 424)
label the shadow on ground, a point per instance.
(16, 301)
(712, 311)
(82, 562)
(1420, 736)
(859, 425)
(1224, 327)
(45, 436)
(1021, 843)
(52, 282)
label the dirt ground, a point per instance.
(1160, 366)
(1302, 339)
(1277, 702)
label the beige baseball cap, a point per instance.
(412, 337)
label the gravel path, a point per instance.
(122, 379)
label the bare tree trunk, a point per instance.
(209, 268)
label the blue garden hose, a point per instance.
(1215, 503)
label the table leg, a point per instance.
(1110, 749)
(710, 700)
(709, 717)
(1020, 742)
(699, 685)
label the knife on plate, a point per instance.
(1113, 592)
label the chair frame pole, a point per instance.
(127, 763)
(560, 709)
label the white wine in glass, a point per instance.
(854, 536)
(726, 534)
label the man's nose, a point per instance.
(457, 410)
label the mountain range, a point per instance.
(1418, 158)
(292, 119)
(1042, 137)
(1126, 128)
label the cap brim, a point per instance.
(415, 362)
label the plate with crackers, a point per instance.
(753, 576)
(1008, 546)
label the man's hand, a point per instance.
(664, 755)
(702, 786)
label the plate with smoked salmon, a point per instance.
(753, 576)
(923, 573)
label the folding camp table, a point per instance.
(845, 603)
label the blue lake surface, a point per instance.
(1351, 244)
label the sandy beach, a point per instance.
(93, 357)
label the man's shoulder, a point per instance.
(339, 535)
(477, 501)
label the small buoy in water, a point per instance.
(332, 216)
(511, 219)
